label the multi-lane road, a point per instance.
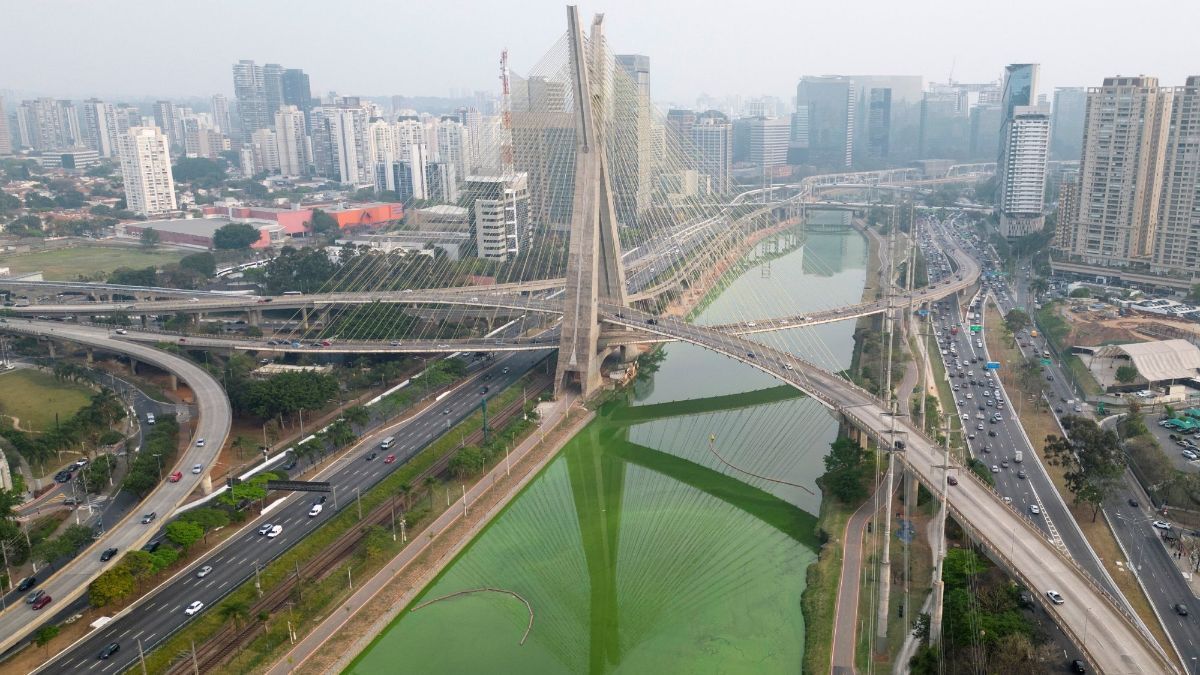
(159, 614)
(71, 582)
(1141, 541)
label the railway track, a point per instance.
(209, 655)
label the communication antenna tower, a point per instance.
(506, 150)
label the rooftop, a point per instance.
(1158, 361)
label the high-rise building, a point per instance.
(823, 129)
(251, 95)
(680, 120)
(985, 128)
(220, 114)
(292, 141)
(879, 122)
(1022, 186)
(164, 118)
(1066, 123)
(712, 135)
(630, 139)
(410, 174)
(1120, 170)
(498, 212)
(769, 141)
(45, 124)
(1068, 209)
(1020, 88)
(128, 117)
(1019, 91)
(1177, 235)
(296, 90)
(6, 147)
(441, 184)
(266, 151)
(201, 140)
(146, 168)
(347, 129)
(99, 121)
(272, 88)
(454, 145)
(944, 126)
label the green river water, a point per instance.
(637, 549)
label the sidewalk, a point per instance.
(845, 623)
(430, 541)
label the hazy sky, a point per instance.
(170, 48)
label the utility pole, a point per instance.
(935, 619)
(885, 563)
(141, 656)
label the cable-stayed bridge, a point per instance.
(595, 203)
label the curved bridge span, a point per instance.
(1113, 641)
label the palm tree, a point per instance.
(237, 610)
(405, 489)
(430, 483)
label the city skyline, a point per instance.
(781, 50)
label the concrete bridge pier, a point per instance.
(206, 485)
(91, 355)
(304, 317)
(133, 364)
(174, 382)
(50, 346)
(254, 317)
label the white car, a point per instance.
(1034, 509)
(1055, 597)
(1162, 524)
(197, 468)
(275, 531)
(265, 528)
(203, 571)
(970, 396)
(315, 510)
(193, 608)
(199, 442)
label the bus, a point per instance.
(387, 442)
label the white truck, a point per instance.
(1018, 456)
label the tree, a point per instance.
(237, 610)
(1127, 374)
(150, 237)
(113, 585)
(323, 223)
(235, 236)
(1016, 320)
(845, 471)
(467, 461)
(1081, 292)
(1193, 295)
(201, 263)
(200, 171)
(1092, 459)
(146, 276)
(45, 634)
(184, 533)
(357, 415)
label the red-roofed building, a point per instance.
(367, 215)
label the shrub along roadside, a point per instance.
(312, 602)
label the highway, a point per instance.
(1112, 641)
(159, 614)
(1146, 552)
(71, 582)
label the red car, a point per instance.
(174, 478)
(41, 602)
(389, 459)
(326, 343)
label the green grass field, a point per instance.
(69, 263)
(34, 397)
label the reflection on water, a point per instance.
(636, 549)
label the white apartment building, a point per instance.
(454, 145)
(291, 141)
(146, 168)
(1022, 194)
(498, 212)
(266, 151)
